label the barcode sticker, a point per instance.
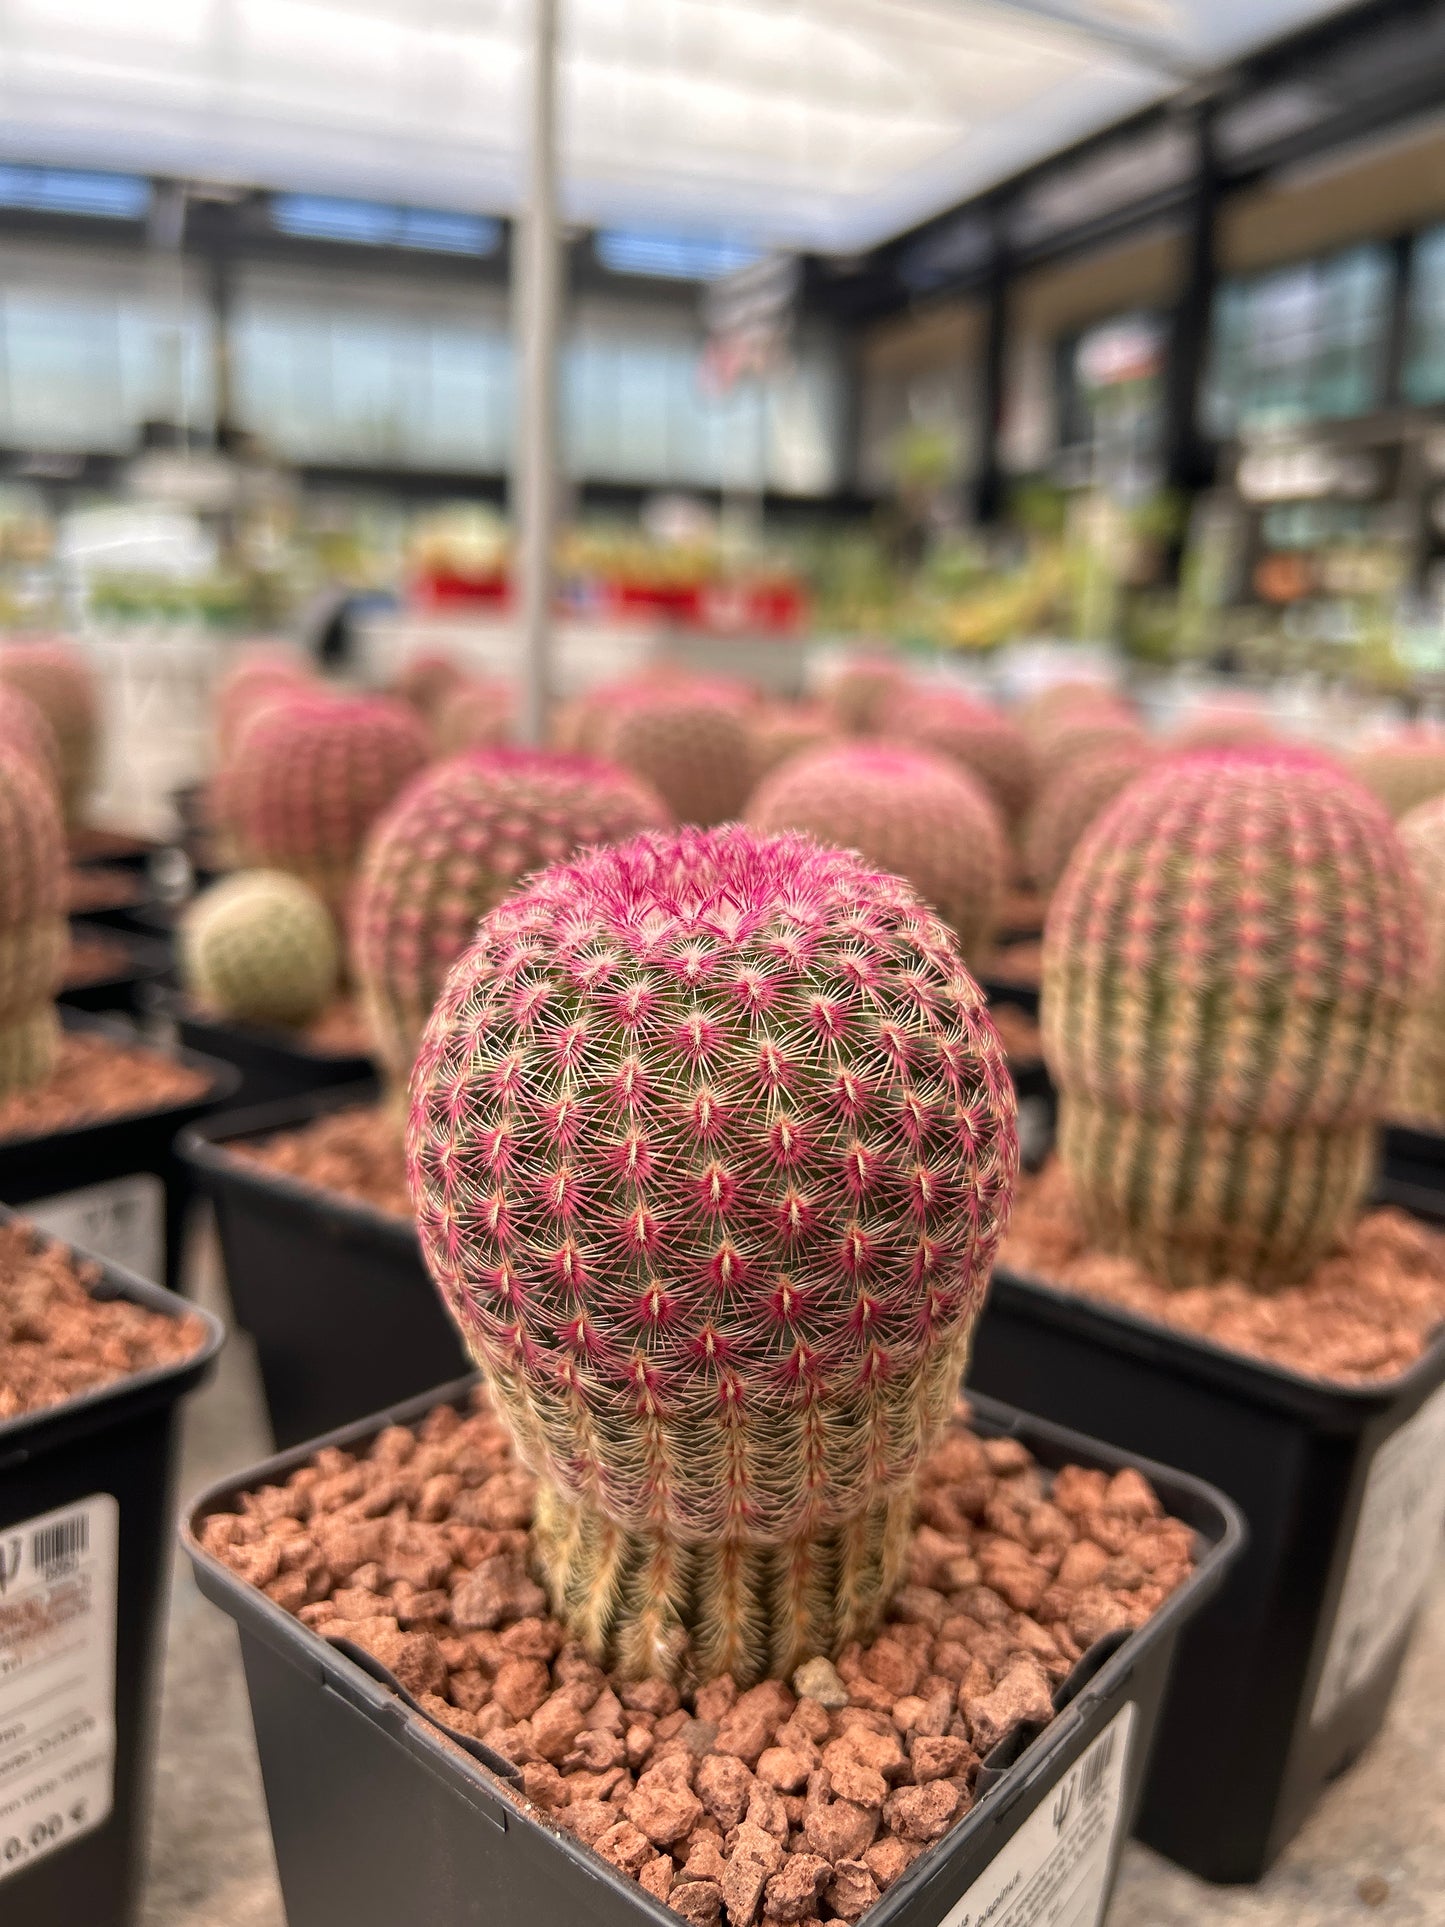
(122, 1221)
(1055, 1870)
(57, 1678)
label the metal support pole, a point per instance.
(1188, 459)
(536, 302)
(988, 486)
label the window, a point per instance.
(1300, 344)
(374, 224)
(1423, 376)
(670, 257)
(56, 190)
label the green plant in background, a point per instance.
(261, 947)
(1228, 965)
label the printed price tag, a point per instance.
(57, 1678)
(1396, 1539)
(122, 1220)
(1055, 1870)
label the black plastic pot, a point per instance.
(86, 1495)
(82, 1184)
(1416, 1158)
(147, 963)
(1288, 1673)
(334, 1293)
(378, 1818)
(273, 1064)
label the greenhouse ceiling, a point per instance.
(824, 124)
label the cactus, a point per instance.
(1057, 700)
(265, 673)
(980, 738)
(478, 714)
(906, 811)
(260, 946)
(1084, 732)
(309, 777)
(692, 741)
(33, 930)
(1419, 1093)
(861, 692)
(784, 730)
(1070, 800)
(1403, 770)
(1224, 725)
(57, 679)
(1228, 963)
(712, 1144)
(425, 681)
(450, 848)
(25, 731)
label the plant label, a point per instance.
(122, 1221)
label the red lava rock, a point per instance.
(888, 1664)
(704, 1860)
(749, 1724)
(795, 1887)
(656, 1876)
(922, 1813)
(664, 1809)
(715, 1699)
(590, 1819)
(766, 1810)
(840, 1830)
(940, 1758)
(557, 1721)
(626, 1846)
(784, 1768)
(654, 1697)
(1021, 1695)
(852, 1890)
(880, 1751)
(754, 1859)
(725, 1787)
(413, 1658)
(544, 1785)
(498, 1589)
(852, 1778)
(888, 1859)
(699, 1901)
(1082, 1565)
(520, 1687)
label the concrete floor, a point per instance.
(1374, 1851)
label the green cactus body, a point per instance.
(1420, 1083)
(260, 946)
(978, 737)
(1069, 802)
(712, 1144)
(310, 776)
(917, 815)
(1405, 770)
(33, 929)
(58, 680)
(1228, 964)
(691, 741)
(450, 848)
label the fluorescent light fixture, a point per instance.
(376, 224)
(58, 190)
(671, 257)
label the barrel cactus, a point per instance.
(1070, 800)
(1420, 1085)
(480, 713)
(33, 930)
(712, 1144)
(906, 811)
(263, 674)
(309, 778)
(260, 946)
(450, 848)
(58, 680)
(1404, 770)
(861, 690)
(1084, 732)
(977, 736)
(25, 731)
(691, 741)
(784, 730)
(1228, 964)
(426, 679)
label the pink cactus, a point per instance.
(58, 680)
(692, 741)
(980, 738)
(712, 1144)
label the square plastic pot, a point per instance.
(334, 1293)
(91, 1480)
(147, 963)
(273, 1064)
(1287, 1675)
(1415, 1159)
(379, 1817)
(87, 1184)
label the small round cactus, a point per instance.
(978, 737)
(58, 680)
(260, 946)
(861, 691)
(33, 930)
(1404, 770)
(426, 679)
(264, 673)
(1228, 964)
(477, 714)
(25, 731)
(712, 1144)
(691, 741)
(1419, 1094)
(1083, 732)
(309, 777)
(784, 730)
(1070, 800)
(906, 811)
(450, 848)
(1224, 725)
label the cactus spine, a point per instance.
(906, 811)
(450, 848)
(1228, 963)
(712, 1144)
(309, 777)
(260, 946)
(58, 681)
(33, 932)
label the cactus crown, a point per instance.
(57, 679)
(906, 811)
(712, 1143)
(479, 714)
(262, 947)
(691, 741)
(450, 848)
(1228, 962)
(310, 776)
(33, 931)
(985, 742)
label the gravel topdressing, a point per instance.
(57, 1341)
(96, 1078)
(1367, 1313)
(356, 1152)
(788, 1802)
